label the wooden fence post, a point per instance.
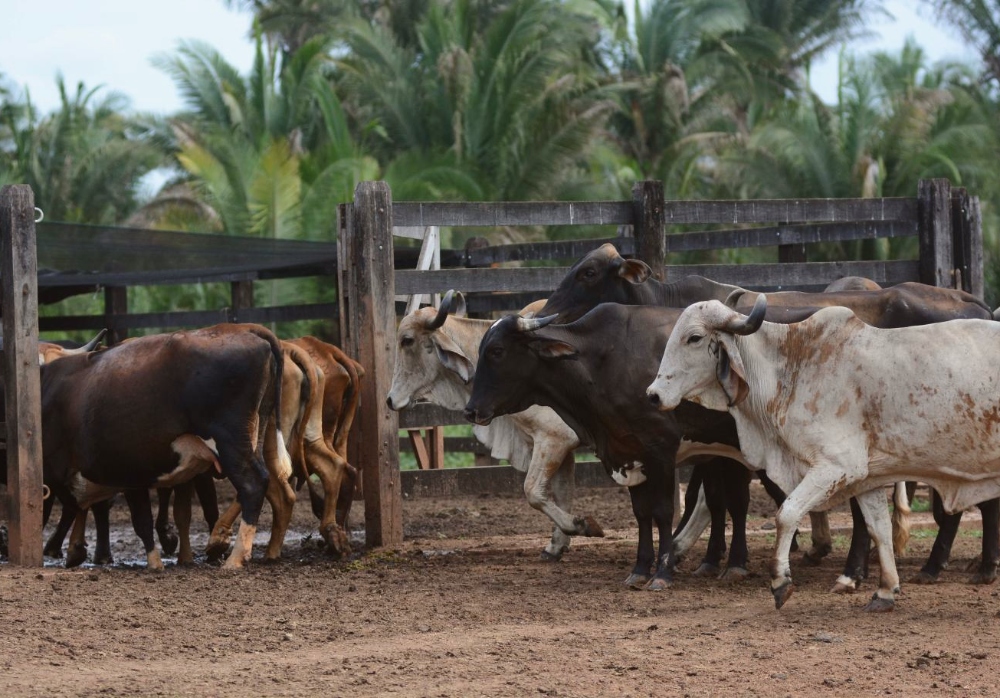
(934, 224)
(19, 282)
(115, 303)
(372, 318)
(967, 241)
(241, 298)
(648, 229)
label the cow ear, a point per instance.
(553, 349)
(635, 271)
(730, 372)
(452, 357)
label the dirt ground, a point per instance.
(466, 608)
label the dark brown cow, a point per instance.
(159, 409)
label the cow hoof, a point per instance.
(815, 556)
(984, 577)
(546, 556)
(216, 549)
(880, 605)
(923, 577)
(168, 540)
(53, 551)
(782, 593)
(637, 581)
(592, 529)
(103, 558)
(153, 561)
(76, 555)
(706, 569)
(734, 574)
(185, 562)
(336, 539)
(658, 584)
(844, 585)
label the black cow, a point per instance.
(591, 373)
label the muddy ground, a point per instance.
(466, 608)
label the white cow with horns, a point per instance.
(833, 408)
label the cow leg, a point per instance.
(822, 538)
(218, 541)
(250, 478)
(346, 497)
(820, 483)
(141, 511)
(937, 561)
(182, 515)
(331, 470)
(204, 487)
(987, 572)
(696, 516)
(102, 528)
(778, 496)
(738, 506)
(281, 496)
(548, 487)
(715, 497)
(165, 530)
(53, 546)
(641, 496)
(663, 516)
(76, 553)
(856, 565)
(876, 513)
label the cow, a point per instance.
(604, 276)
(593, 372)
(832, 408)
(303, 389)
(436, 357)
(157, 410)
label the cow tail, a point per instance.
(352, 398)
(900, 519)
(277, 373)
(301, 359)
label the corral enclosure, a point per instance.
(456, 602)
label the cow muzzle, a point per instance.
(659, 399)
(473, 415)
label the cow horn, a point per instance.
(89, 346)
(443, 311)
(526, 324)
(733, 298)
(752, 322)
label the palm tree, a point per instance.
(84, 161)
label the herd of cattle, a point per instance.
(825, 396)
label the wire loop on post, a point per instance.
(41, 215)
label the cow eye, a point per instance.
(695, 338)
(496, 352)
(589, 273)
(406, 342)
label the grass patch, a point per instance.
(920, 504)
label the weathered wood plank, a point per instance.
(569, 250)
(22, 388)
(735, 212)
(798, 275)
(478, 280)
(371, 291)
(187, 318)
(936, 243)
(510, 213)
(976, 281)
(738, 212)
(648, 230)
(424, 415)
(788, 235)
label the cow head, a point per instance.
(601, 276)
(429, 363)
(701, 362)
(49, 351)
(508, 356)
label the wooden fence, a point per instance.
(945, 220)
